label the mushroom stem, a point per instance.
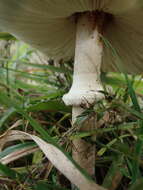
(83, 152)
(88, 57)
(86, 83)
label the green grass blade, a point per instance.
(17, 147)
(8, 172)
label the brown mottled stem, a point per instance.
(86, 83)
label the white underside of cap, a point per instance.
(47, 25)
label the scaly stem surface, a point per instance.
(86, 83)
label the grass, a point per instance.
(31, 101)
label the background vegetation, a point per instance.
(31, 90)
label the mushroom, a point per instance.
(75, 28)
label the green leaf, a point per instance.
(8, 172)
(14, 148)
(49, 67)
(46, 186)
(7, 114)
(137, 186)
(139, 143)
(113, 171)
(50, 106)
(132, 94)
(37, 157)
(6, 36)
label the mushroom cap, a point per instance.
(49, 25)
